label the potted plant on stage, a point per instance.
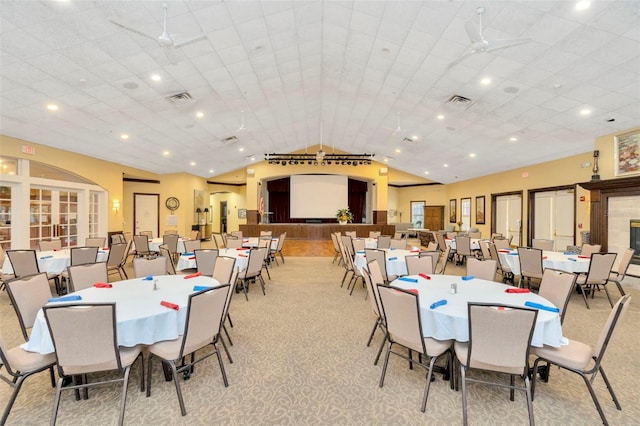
(344, 216)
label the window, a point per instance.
(95, 218)
(417, 213)
(465, 213)
(5, 217)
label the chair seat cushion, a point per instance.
(575, 355)
(436, 347)
(127, 357)
(25, 361)
(614, 276)
(462, 350)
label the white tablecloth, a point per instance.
(155, 243)
(54, 262)
(450, 321)
(252, 242)
(188, 261)
(550, 259)
(140, 317)
(475, 244)
(396, 264)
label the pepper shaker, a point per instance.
(454, 288)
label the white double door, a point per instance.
(509, 217)
(554, 217)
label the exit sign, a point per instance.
(28, 149)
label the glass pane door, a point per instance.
(5, 217)
(53, 215)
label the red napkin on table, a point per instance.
(415, 251)
(191, 258)
(240, 248)
(150, 241)
(170, 305)
(425, 276)
(197, 274)
(105, 248)
(584, 257)
(504, 251)
(242, 255)
(55, 249)
(412, 290)
(102, 285)
(544, 257)
(517, 290)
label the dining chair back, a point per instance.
(502, 243)
(20, 364)
(384, 241)
(433, 246)
(85, 276)
(444, 261)
(237, 234)
(144, 266)
(92, 347)
(23, 262)
(128, 236)
(279, 248)
(358, 244)
(542, 244)
(223, 269)
(587, 249)
(442, 244)
(253, 271)
(194, 235)
(206, 260)
(484, 249)
(49, 245)
(401, 310)
(142, 245)
(495, 235)
(374, 303)
(171, 241)
(374, 234)
(265, 242)
(345, 258)
(148, 234)
(505, 270)
(191, 245)
(218, 241)
(397, 244)
(482, 269)
(417, 264)
(398, 235)
(234, 242)
(95, 241)
(581, 359)
(434, 255)
(556, 286)
(474, 234)
(351, 234)
(205, 313)
(170, 232)
(530, 264)
(118, 239)
(164, 252)
(117, 252)
(84, 255)
(598, 275)
(28, 295)
(463, 248)
(618, 275)
(451, 235)
(347, 243)
(336, 247)
(380, 256)
(266, 233)
(499, 341)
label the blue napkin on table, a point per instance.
(46, 257)
(513, 253)
(69, 298)
(408, 279)
(535, 305)
(568, 253)
(573, 259)
(438, 303)
(392, 248)
(360, 252)
(201, 287)
(148, 278)
(393, 258)
(467, 277)
(188, 254)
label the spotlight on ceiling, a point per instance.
(319, 158)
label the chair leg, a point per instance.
(533, 378)
(230, 323)
(594, 398)
(12, 399)
(174, 372)
(511, 390)
(56, 401)
(527, 386)
(53, 379)
(463, 383)
(375, 362)
(375, 327)
(123, 403)
(610, 388)
(262, 285)
(608, 295)
(224, 374)
(584, 296)
(426, 387)
(384, 366)
(224, 328)
(225, 349)
(245, 288)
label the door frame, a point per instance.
(494, 202)
(531, 209)
(223, 216)
(135, 194)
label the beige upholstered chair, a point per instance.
(128, 236)
(223, 269)
(253, 271)
(444, 260)
(80, 256)
(482, 269)
(581, 359)
(232, 242)
(191, 245)
(463, 249)
(347, 243)
(351, 234)
(194, 235)
(376, 307)
(598, 275)
(505, 270)
(475, 234)
(384, 241)
(375, 272)
(143, 266)
(557, 286)
(95, 242)
(397, 244)
(542, 244)
(85, 276)
(164, 252)
(451, 235)
(357, 274)
(266, 243)
(336, 248)
(49, 245)
(148, 234)
(218, 241)
(205, 312)
(20, 364)
(484, 249)
(398, 235)
(278, 250)
(434, 255)
(28, 295)
(587, 249)
(502, 243)
(118, 239)
(91, 348)
(171, 241)
(442, 244)
(25, 263)
(206, 260)
(118, 254)
(380, 256)
(618, 275)
(359, 244)
(374, 234)
(499, 341)
(433, 246)
(345, 255)
(417, 264)
(4, 277)
(266, 233)
(530, 265)
(404, 328)
(142, 245)
(170, 232)
(225, 315)
(237, 234)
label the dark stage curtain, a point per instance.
(358, 199)
(279, 202)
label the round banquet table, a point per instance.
(53, 261)
(188, 260)
(474, 243)
(252, 242)
(140, 318)
(395, 263)
(450, 321)
(550, 259)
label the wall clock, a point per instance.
(172, 204)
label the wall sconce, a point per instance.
(206, 214)
(116, 206)
(595, 175)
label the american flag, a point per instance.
(261, 205)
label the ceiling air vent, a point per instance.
(180, 98)
(459, 102)
(229, 141)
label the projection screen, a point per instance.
(318, 196)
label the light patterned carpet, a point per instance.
(300, 358)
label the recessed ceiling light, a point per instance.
(156, 77)
(445, 165)
(199, 114)
(52, 107)
(253, 158)
(124, 136)
(241, 149)
(440, 117)
(472, 155)
(585, 111)
(193, 163)
(398, 151)
(210, 170)
(386, 160)
(485, 81)
(513, 139)
(426, 173)
(414, 137)
(582, 5)
(166, 153)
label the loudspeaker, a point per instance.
(383, 170)
(251, 172)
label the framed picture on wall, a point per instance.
(242, 213)
(452, 211)
(627, 154)
(480, 210)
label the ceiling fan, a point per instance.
(398, 129)
(241, 128)
(481, 45)
(165, 40)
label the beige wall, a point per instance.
(236, 198)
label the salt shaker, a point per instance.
(454, 288)
(155, 284)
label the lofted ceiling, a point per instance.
(280, 76)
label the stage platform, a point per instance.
(315, 231)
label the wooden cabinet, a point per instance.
(433, 218)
